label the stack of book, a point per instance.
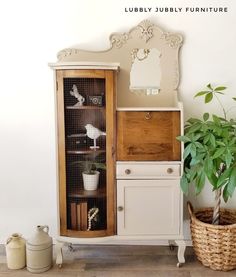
(79, 216)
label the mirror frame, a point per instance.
(145, 35)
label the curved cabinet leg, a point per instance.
(181, 249)
(59, 254)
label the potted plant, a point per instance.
(91, 174)
(210, 154)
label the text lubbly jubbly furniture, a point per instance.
(119, 163)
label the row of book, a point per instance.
(79, 216)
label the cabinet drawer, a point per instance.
(146, 170)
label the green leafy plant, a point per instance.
(90, 167)
(90, 164)
(210, 151)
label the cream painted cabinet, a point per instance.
(148, 207)
(138, 199)
(148, 171)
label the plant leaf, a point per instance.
(200, 93)
(208, 97)
(208, 165)
(212, 179)
(193, 150)
(232, 182)
(206, 139)
(225, 193)
(187, 151)
(220, 143)
(220, 88)
(206, 116)
(184, 184)
(183, 138)
(228, 159)
(213, 140)
(195, 127)
(209, 86)
(200, 182)
(216, 119)
(223, 177)
(218, 153)
(234, 98)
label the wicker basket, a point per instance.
(214, 245)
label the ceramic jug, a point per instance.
(15, 251)
(39, 250)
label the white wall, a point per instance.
(32, 32)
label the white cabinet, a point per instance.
(148, 171)
(148, 207)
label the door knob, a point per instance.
(127, 171)
(170, 170)
(120, 209)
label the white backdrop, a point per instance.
(32, 32)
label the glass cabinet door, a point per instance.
(86, 109)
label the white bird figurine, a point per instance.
(93, 133)
(74, 92)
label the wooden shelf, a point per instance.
(85, 108)
(79, 193)
(86, 151)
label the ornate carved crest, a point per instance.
(146, 28)
(134, 45)
(173, 40)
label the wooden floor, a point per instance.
(119, 261)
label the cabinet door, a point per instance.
(148, 207)
(86, 133)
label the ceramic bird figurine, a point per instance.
(93, 133)
(74, 92)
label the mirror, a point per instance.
(145, 73)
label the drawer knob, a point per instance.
(170, 170)
(120, 209)
(127, 171)
(148, 116)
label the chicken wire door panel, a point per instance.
(86, 132)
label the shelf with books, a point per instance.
(87, 215)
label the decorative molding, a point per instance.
(125, 47)
(176, 75)
(146, 29)
(67, 52)
(134, 54)
(117, 40)
(173, 40)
